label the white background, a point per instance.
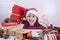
(51, 8)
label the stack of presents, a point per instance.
(11, 26)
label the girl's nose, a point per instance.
(31, 17)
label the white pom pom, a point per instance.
(23, 18)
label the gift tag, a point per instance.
(36, 33)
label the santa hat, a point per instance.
(33, 11)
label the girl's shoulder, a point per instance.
(42, 27)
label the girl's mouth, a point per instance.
(31, 21)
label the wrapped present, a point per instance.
(52, 37)
(8, 22)
(18, 12)
(18, 32)
(35, 33)
(5, 24)
(10, 27)
(6, 34)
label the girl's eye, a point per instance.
(28, 16)
(33, 16)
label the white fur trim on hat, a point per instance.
(32, 12)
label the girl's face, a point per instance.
(31, 19)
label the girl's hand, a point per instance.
(45, 19)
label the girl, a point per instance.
(32, 17)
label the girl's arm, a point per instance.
(46, 22)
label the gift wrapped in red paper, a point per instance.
(8, 24)
(18, 13)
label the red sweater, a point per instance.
(34, 27)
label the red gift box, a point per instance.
(18, 12)
(6, 24)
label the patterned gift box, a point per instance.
(18, 32)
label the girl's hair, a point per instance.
(36, 23)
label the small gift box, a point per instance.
(9, 22)
(18, 32)
(36, 33)
(5, 24)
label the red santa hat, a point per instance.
(33, 11)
